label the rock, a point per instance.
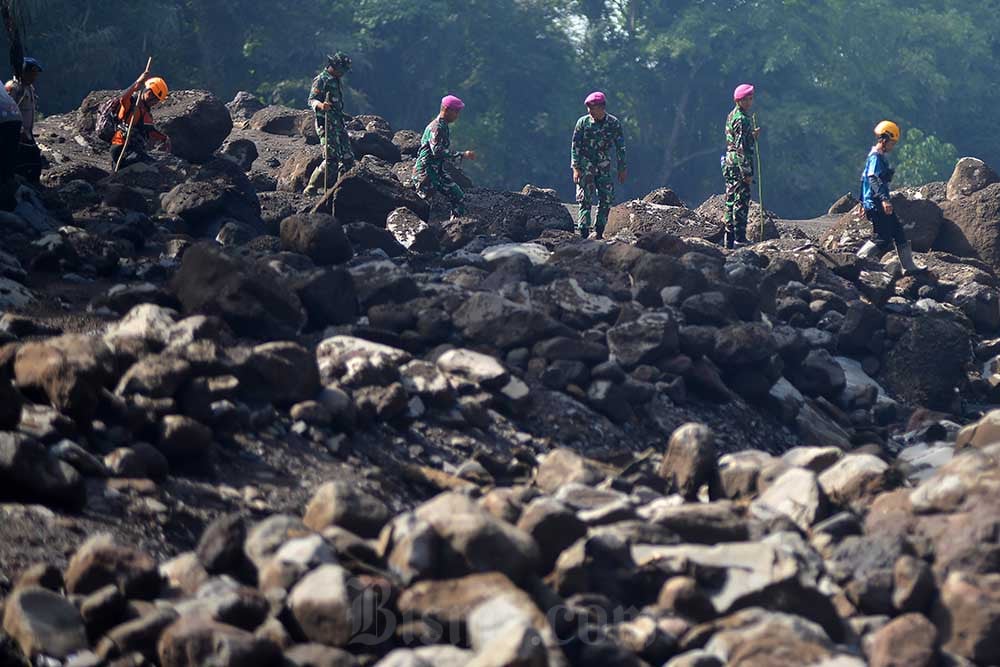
(638, 217)
(155, 376)
(970, 226)
(281, 372)
(322, 607)
(663, 197)
(450, 603)
(342, 504)
(742, 345)
(375, 144)
(767, 574)
(644, 340)
(147, 321)
(503, 636)
(501, 214)
(367, 237)
(967, 616)
(690, 461)
(475, 368)
(283, 121)
(242, 151)
(380, 282)
(10, 405)
(103, 610)
(192, 641)
(564, 466)
(185, 442)
(220, 549)
(28, 473)
(44, 623)
(196, 122)
(819, 374)
(796, 494)
(478, 541)
(908, 640)
(266, 537)
(969, 177)
(328, 296)
(407, 141)
(411, 232)
(925, 365)
(758, 637)
(816, 459)
(855, 479)
(14, 295)
(296, 171)
(740, 472)
(318, 236)
(490, 318)
(369, 193)
(843, 205)
(568, 302)
(339, 356)
(553, 526)
(201, 202)
(317, 655)
(254, 302)
(423, 379)
(100, 562)
(68, 372)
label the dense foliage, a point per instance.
(825, 70)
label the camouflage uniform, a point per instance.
(336, 147)
(738, 165)
(591, 154)
(429, 173)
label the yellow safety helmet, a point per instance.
(159, 87)
(887, 128)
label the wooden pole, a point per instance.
(131, 124)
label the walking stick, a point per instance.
(131, 124)
(326, 148)
(760, 180)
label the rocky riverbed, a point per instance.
(242, 427)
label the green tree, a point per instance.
(924, 158)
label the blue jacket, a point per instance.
(875, 180)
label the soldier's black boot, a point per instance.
(599, 232)
(728, 239)
(741, 237)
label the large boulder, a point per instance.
(296, 170)
(713, 210)
(926, 364)
(216, 190)
(44, 623)
(318, 236)
(244, 106)
(376, 144)
(196, 121)
(283, 121)
(972, 226)
(328, 296)
(67, 372)
(29, 474)
(639, 217)
(252, 300)
(369, 192)
(512, 215)
(921, 219)
(969, 177)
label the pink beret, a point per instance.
(742, 90)
(595, 98)
(452, 102)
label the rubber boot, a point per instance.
(583, 224)
(728, 240)
(741, 237)
(905, 253)
(870, 250)
(314, 181)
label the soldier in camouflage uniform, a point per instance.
(429, 173)
(326, 99)
(590, 157)
(737, 166)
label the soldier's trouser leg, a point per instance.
(585, 195)
(888, 229)
(605, 187)
(737, 206)
(342, 150)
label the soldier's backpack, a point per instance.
(107, 121)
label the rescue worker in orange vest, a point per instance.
(138, 102)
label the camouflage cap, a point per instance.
(340, 61)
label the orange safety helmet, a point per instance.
(159, 87)
(887, 128)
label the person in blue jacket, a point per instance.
(877, 203)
